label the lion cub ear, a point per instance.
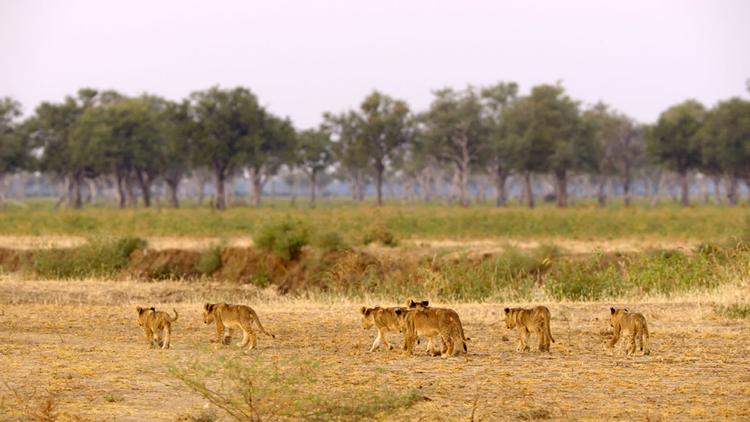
(153, 309)
(612, 310)
(409, 303)
(139, 309)
(363, 310)
(207, 306)
(425, 303)
(398, 311)
(507, 310)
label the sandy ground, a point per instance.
(80, 342)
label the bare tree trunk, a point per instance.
(685, 196)
(173, 185)
(256, 178)
(77, 199)
(561, 188)
(463, 173)
(313, 186)
(221, 202)
(732, 189)
(527, 189)
(145, 182)
(626, 185)
(121, 195)
(379, 169)
(501, 177)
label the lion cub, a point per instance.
(634, 323)
(530, 320)
(234, 316)
(384, 320)
(155, 323)
(431, 322)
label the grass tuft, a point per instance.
(734, 311)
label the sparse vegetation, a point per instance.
(378, 232)
(97, 258)
(210, 261)
(257, 389)
(285, 238)
(734, 311)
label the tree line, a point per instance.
(492, 132)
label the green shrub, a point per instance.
(330, 241)
(210, 261)
(97, 258)
(286, 238)
(378, 232)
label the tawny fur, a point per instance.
(526, 321)
(624, 321)
(384, 320)
(431, 322)
(450, 313)
(155, 325)
(227, 316)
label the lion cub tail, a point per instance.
(176, 315)
(260, 326)
(549, 333)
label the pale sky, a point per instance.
(306, 57)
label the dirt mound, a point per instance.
(162, 264)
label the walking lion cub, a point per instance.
(527, 321)
(634, 323)
(155, 324)
(384, 320)
(431, 322)
(234, 316)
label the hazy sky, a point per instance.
(306, 57)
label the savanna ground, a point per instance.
(72, 350)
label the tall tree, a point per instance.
(674, 141)
(315, 156)
(725, 143)
(621, 146)
(177, 130)
(14, 150)
(72, 158)
(228, 125)
(458, 133)
(272, 148)
(547, 134)
(497, 98)
(349, 151)
(384, 127)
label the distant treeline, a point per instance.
(103, 141)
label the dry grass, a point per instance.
(80, 344)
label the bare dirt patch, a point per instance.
(79, 342)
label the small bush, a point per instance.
(97, 258)
(378, 232)
(330, 241)
(286, 238)
(734, 311)
(255, 389)
(210, 261)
